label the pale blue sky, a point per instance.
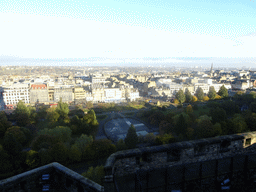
(117, 29)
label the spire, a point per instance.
(211, 70)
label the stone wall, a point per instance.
(59, 178)
(177, 152)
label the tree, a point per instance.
(194, 99)
(22, 114)
(223, 92)
(164, 139)
(43, 141)
(218, 115)
(89, 124)
(206, 98)
(120, 145)
(176, 101)
(230, 107)
(131, 138)
(150, 138)
(22, 135)
(11, 145)
(212, 93)
(217, 129)
(61, 133)
(83, 141)
(180, 96)
(156, 118)
(32, 159)
(165, 127)
(52, 115)
(59, 152)
(181, 125)
(62, 109)
(188, 96)
(95, 174)
(89, 104)
(205, 129)
(189, 109)
(102, 148)
(199, 93)
(239, 124)
(4, 123)
(75, 154)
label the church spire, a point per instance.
(211, 71)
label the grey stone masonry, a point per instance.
(59, 178)
(128, 161)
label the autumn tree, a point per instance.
(212, 93)
(205, 98)
(194, 99)
(199, 93)
(223, 92)
(180, 96)
(131, 138)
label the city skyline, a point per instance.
(121, 32)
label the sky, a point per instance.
(128, 32)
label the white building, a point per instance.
(12, 94)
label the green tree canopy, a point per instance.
(83, 141)
(212, 93)
(199, 93)
(120, 145)
(131, 138)
(205, 129)
(32, 159)
(218, 115)
(60, 132)
(188, 96)
(4, 123)
(223, 92)
(11, 145)
(52, 115)
(180, 96)
(75, 154)
(60, 152)
(95, 174)
(62, 109)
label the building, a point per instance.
(38, 93)
(12, 94)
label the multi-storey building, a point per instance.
(66, 93)
(12, 94)
(38, 93)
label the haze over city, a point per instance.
(126, 32)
